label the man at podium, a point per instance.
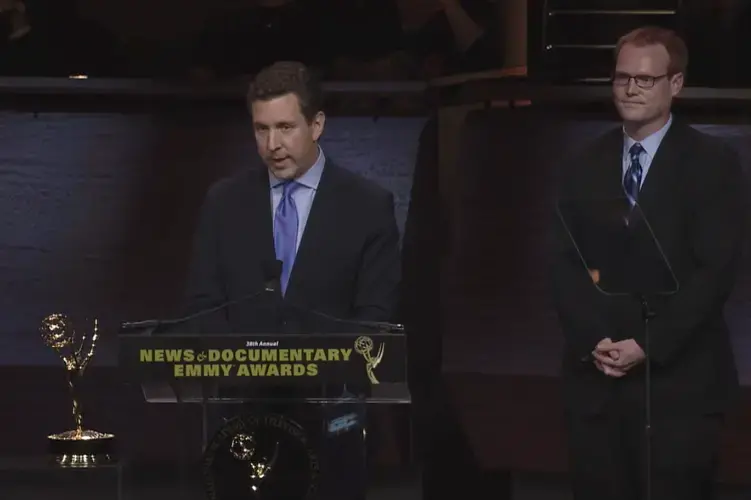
(300, 246)
(645, 407)
(334, 232)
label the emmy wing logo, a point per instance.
(364, 347)
(243, 448)
(275, 457)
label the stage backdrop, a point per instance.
(498, 315)
(97, 210)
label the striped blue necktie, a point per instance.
(632, 179)
(285, 231)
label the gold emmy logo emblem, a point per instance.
(364, 347)
(243, 448)
(268, 454)
(78, 447)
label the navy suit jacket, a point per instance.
(347, 265)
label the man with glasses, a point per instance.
(689, 187)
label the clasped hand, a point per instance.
(615, 359)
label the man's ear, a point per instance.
(318, 123)
(676, 84)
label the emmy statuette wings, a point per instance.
(78, 447)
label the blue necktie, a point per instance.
(285, 231)
(632, 179)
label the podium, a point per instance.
(283, 416)
(616, 255)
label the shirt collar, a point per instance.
(650, 143)
(309, 179)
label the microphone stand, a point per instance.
(647, 314)
(272, 270)
(150, 326)
(377, 326)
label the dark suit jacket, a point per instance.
(692, 199)
(347, 265)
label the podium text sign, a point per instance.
(272, 447)
(267, 359)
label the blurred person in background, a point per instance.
(459, 36)
(25, 48)
(241, 43)
(736, 24)
(364, 39)
(351, 39)
(50, 38)
(421, 39)
(717, 37)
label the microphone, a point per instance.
(380, 326)
(272, 270)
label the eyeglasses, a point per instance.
(641, 81)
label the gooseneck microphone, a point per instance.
(379, 326)
(272, 270)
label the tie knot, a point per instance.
(636, 150)
(289, 187)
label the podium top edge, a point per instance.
(142, 333)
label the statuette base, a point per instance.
(82, 448)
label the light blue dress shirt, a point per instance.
(650, 144)
(303, 196)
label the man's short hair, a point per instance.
(287, 77)
(656, 35)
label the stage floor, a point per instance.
(526, 487)
(44, 483)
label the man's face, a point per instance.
(286, 141)
(642, 89)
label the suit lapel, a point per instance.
(319, 219)
(262, 221)
(607, 172)
(613, 168)
(656, 185)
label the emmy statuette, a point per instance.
(78, 447)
